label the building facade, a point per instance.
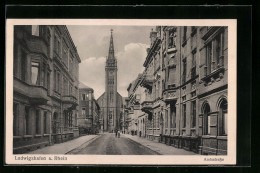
(89, 111)
(185, 81)
(45, 84)
(111, 102)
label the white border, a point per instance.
(230, 159)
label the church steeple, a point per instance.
(111, 47)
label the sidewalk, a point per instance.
(64, 147)
(158, 147)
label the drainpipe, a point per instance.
(180, 89)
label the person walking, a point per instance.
(116, 133)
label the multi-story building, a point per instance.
(186, 88)
(45, 84)
(88, 118)
(136, 116)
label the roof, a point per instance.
(84, 86)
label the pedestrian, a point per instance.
(118, 134)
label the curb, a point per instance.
(83, 143)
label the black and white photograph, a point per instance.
(121, 91)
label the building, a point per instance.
(136, 94)
(45, 84)
(111, 102)
(185, 81)
(89, 111)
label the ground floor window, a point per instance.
(184, 115)
(206, 111)
(45, 122)
(15, 119)
(193, 114)
(27, 121)
(223, 114)
(37, 121)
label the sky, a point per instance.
(92, 42)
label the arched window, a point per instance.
(223, 112)
(206, 111)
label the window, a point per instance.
(15, 119)
(166, 118)
(48, 82)
(58, 82)
(215, 54)
(43, 75)
(37, 121)
(65, 54)
(208, 125)
(27, 121)
(171, 39)
(194, 59)
(155, 91)
(184, 63)
(35, 73)
(70, 90)
(158, 89)
(223, 116)
(158, 119)
(184, 33)
(206, 112)
(83, 97)
(154, 119)
(45, 123)
(65, 119)
(184, 115)
(173, 116)
(48, 39)
(23, 65)
(83, 111)
(71, 65)
(35, 30)
(193, 114)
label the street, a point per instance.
(108, 144)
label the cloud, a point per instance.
(92, 73)
(130, 64)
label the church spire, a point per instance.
(111, 47)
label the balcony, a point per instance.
(37, 94)
(147, 81)
(69, 101)
(169, 95)
(147, 106)
(37, 45)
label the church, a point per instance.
(110, 102)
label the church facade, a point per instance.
(110, 102)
